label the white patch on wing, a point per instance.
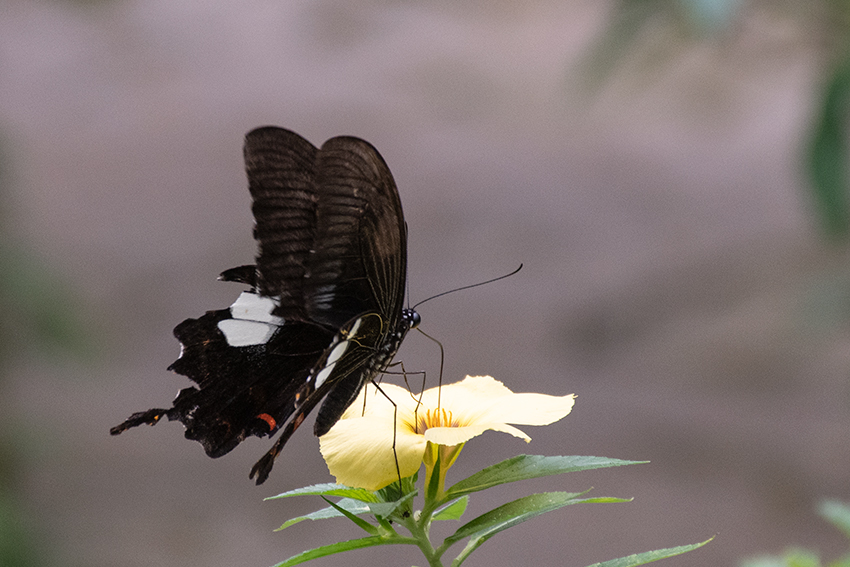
(333, 357)
(336, 353)
(323, 375)
(252, 322)
(355, 327)
(252, 307)
(241, 333)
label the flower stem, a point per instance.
(420, 530)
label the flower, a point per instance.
(359, 448)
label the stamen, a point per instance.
(434, 418)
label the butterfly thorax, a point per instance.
(409, 319)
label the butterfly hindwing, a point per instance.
(335, 381)
(238, 384)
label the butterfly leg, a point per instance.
(395, 433)
(150, 417)
(263, 467)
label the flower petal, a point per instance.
(467, 393)
(457, 435)
(454, 435)
(376, 403)
(359, 452)
(483, 399)
(359, 448)
(529, 409)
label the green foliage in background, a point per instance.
(838, 514)
(827, 153)
(650, 33)
(41, 316)
(41, 313)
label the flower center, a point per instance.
(434, 418)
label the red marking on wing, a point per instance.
(268, 419)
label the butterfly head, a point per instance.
(411, 318)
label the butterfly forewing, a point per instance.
(323, 243)
(354, 171)
(281, 178)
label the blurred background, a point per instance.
(672, 174)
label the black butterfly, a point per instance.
(324, 314)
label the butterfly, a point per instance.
(324, 310)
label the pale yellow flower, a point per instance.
(359, 448)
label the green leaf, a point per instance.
(342, 546)
(650, 556)
(330, 489)
(838, 513)
(827, 153)
(453, 511)
(391, 492)
(432, 485)
(362, 524)
(387, 508)
(524, 467)
(487, 525)
(348, 504)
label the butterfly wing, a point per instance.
(244, 386)
(326, 293)
(329, 227)
(346, 263)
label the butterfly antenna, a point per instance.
(468, 287)
(407, 269)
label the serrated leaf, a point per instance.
(650, 556)
(330, 489)
(508, 515)
(453, 511)
(838, 514)
(342, 546)
(352, 506)
(524, 467)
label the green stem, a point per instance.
(420, 530)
